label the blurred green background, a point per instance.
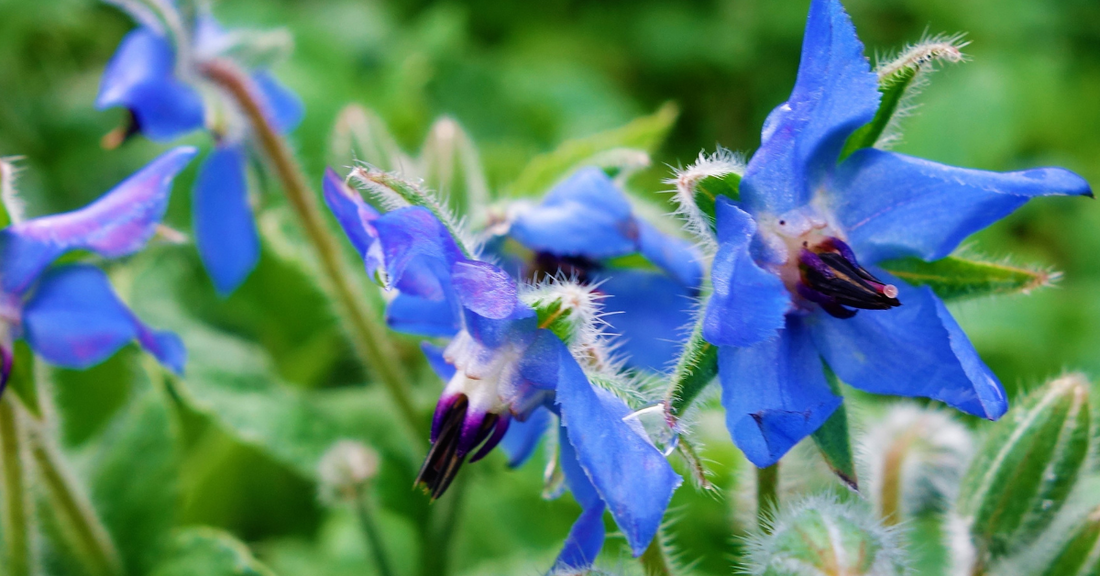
(520, 77)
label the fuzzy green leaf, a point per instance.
(645, 133)
(134, 476)
(1027, 467)
(7, 191)
(955, 278)
(697, 366)
(834, 441)
(210, 552)
(1080, 555)
(893, 91)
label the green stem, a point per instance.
(654, 560)
(767, 496)
(17, 518)
(74, 511)
(441, 527)
(366, 513)
(368, 336)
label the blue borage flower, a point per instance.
(584, 223)
(506, 376)
(796, 255)
(156, 74)
(69, 314)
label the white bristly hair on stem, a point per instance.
(721, 163)
(12, 202)
(920, 58)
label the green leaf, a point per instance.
(1080, 555)
(645, 133)
(1027, 467)
(697, 366)
(834, 441)
(955, 278)
(893, 91)
(134, 475)
(210, 552)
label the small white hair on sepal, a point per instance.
(721, 162)
(393, 192)
(921, 58)
(15, 205)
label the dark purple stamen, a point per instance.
(455, 433)
(833, 278)
(547, 264)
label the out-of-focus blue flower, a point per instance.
(161, 83)
(797, 251)
(584, 223)
(505, 376)
(69, 314)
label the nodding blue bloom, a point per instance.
(584, 223)
(795, 286)
(505, 376)
(69, 314)
(161, 83)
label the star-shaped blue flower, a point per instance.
(797, 251)
(506, 376)
(164, 93)
(584, 223)
(69, 314)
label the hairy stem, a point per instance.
(890, 494)
(767, 496)
(17, 517)
(368, 336)
(74, 512)
(654, 560)
(365, 510)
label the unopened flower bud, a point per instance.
(1027, 467)
(822, 536)
(345, 468)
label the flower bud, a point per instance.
(915, 459)
(1080, 556)
(822, 536)
(1026, 468)
(344, 468)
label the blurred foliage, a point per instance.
(521, 78)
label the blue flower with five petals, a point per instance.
(163, 88)
(69, 314)
(795, 286)
(579, 228)
(506, 376)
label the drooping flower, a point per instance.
(579, 228)
(506, 375)
(795, 283)
(157, 75)
(69, 314)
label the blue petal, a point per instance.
(586, 215)
(225, 230)
(75, 320)
(892, 205)
(141, 77)
(422, 316)
(649, 312)
(835, 94)
(587, 534)
(353, 214)
(916, 349)
(117, 224)
(415, 242)
(283, 105)
(631, 476)
(748, 303)
(775, 393)
(523, 437)
(674, 255)
(485, 289)
(445, 370)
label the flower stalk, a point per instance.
(365, 511)
(74, 512)
(368, 337)
(655, 562)
(17, 516)
(767, 496)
